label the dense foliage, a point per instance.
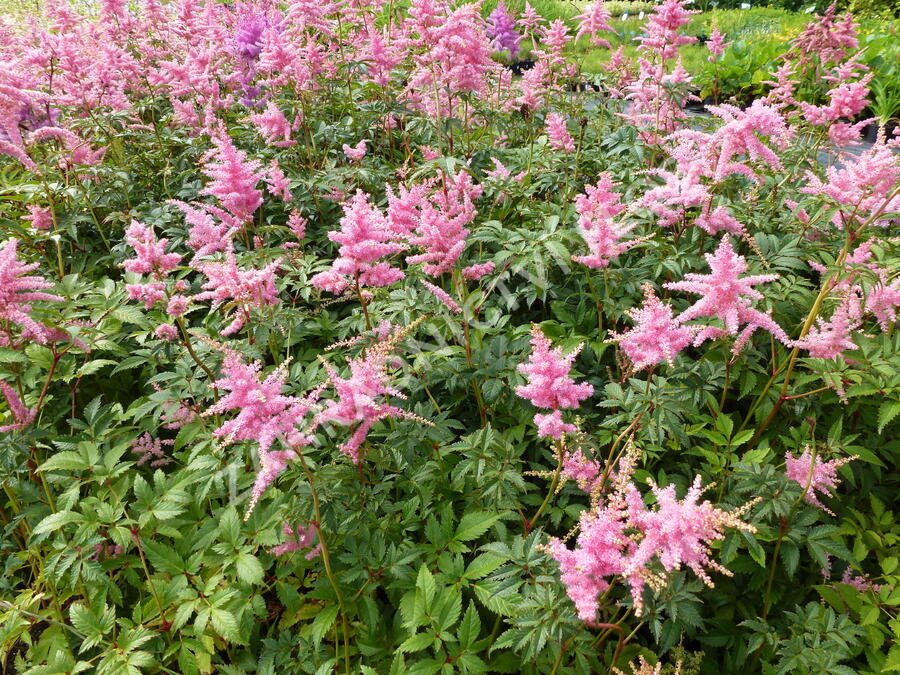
(327, 343)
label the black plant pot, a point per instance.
(871, 133)
(520, 67)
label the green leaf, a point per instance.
(56, 520)
(474, 524)
(887, 412)
(425, 583)
(893, 660)
(323, 622)
(225, 624)
(483, 565)
(416, 643)
(470, 626)
(248, 567)
(65, 461)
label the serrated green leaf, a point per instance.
(474, 524)
(416, 643)
(248, 567)
(56, 520)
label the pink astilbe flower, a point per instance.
(206, 235)
(166, 331)
(365, 237)
(680, 532)
(297, 224)
(596, 208)
(274, 127)
(21, 415)
(549, 384)
(814, 475)
(828, 339)
(601, 551)
(846, 100)
(621, 537)
(150, 450)
(247, 288)
(233, 179)
(557, 133)
(657, 335)
(661, 30)
(827, 39)
(277, 182)
(441, 230)
(265, 414)
(592, 21)
(587, 473)
(41, 218)
(361, 397)
(298, 539)
(150, 254)
(357, 152)
(475, 272)
(18, 291)
(529, 20)
(728, 297)
(443, 296)
(862, 188)
(716, 44)
(883, 300)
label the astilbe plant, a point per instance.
(298, 245)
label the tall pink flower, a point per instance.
(299, 538)
(819, 475)
(18, 291)
(21, 415)
(661, 30)
(365, 237)
(596, 208)
(247, 288)
(716, 44)
(592, 21)
(233, 179)
(828, 339)
(558, 134)
(362, 397)
(549, 384)
(357, 152)
(264, 415)
(274, 127)
(727, 296)
(150, 254)
(657, 335)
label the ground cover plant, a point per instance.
(328, 343)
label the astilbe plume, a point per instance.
(355, 153)
(247, 288)
(206, 234)
(274, 127)
(657, 335)
(825, 40)
(727, 296)
(883, 300)
(620, 537)
(299, 538)
(828, 339)
(661, 32)
(501, 29)
(18, 290)
(41, 218)
(443, 296)
(22, 416)
(847, 99)
(814, 475)
(441, 229)
(586, 473)
(597, 208)
(592, 21)
(529, 20)
(265, 414)
(549, 384)
(277, 183)
(365, 237)
(233, 179)
(716, 44)
(150, 450)
(362, 397)
(863, 187)
(558, 134)
(150, 253)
